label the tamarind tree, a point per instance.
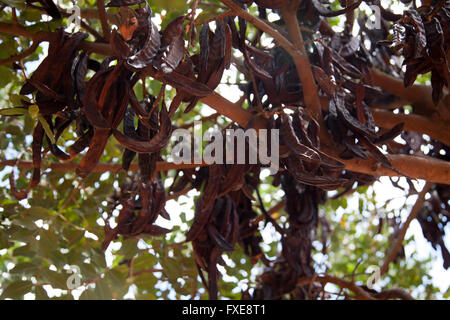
(92, 92)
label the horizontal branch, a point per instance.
(101, 167)
(415, 94)
(359, 292)
(438, 130)
(415, 167)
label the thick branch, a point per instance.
(399, 240)
(302, 64)
(438, 130)
(416, 94)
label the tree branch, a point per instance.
(262, 25)
(302, 64)
(390, 256)
(416, 94)
(103, 19)
(360, 293)
(101, 167)
(438, 130)
(22, 55)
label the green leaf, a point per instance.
(19, 4)
(102, 290)
(87, 271)
(145, 261)
(39, 212)
(33, 110)
(6, 76)
(22, 235)
(40, 293)
(172, 268)
(88, 295)
(24, 251)
(24, 268)
(17, 111)
(56, 279)
(25, 222)
(145, 281)
(47, 129)
(117, 276)
(129, 248)
(73, 236)
(16, 289)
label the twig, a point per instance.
(103, 19)
(22, 55)
(262, 25)
(360, 293)
(398, 242)
(268, 216)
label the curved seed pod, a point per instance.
(171, 57)
(153, 145)
(57, 152)
(234, 179)
(391, 134)
(122, 3)
(290, 139)
(159, 198)
(36, 145)
(218, 239)
(324, 81)
(228, 45)
(81, 143)
(145, 214)
(188, 85)
(78, 72)
(96, 147)
(120, 49)
(330, 13)
(353, 124)
(51, 8)
(18, 194)
(145, 56)
(272, 4)
(137, 107)
(295, 168)
(154, 230)
(204, 53)
(91, 107)
(201, 218)
(127, 158)
(47, 91)
(173, 31)
(204, 205)
(374, 151)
